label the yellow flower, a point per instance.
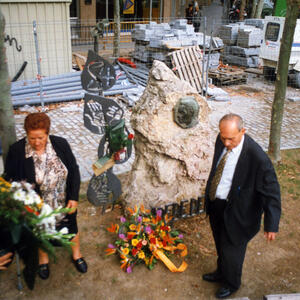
(3, 190)
(132, 227)
(134, 242)
(145, 220)
(125, 251)
(141, 255)
(147, 261)
(162, 234)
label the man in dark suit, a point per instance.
(242, 185)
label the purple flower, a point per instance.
(180, 236)
(122, 219)
(139, 219)
(122, 236)
(129, 270)
(159, 212)
(111, 246)
(148, 229)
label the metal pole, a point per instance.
(161, 10)
(204, 48)
(19, 286)
(39, 75)
(150, 11)
(210, 45)
(106, 7)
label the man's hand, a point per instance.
(270, 236)
(4, 260)
(73, 205)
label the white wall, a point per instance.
(53, 32)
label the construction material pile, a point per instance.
(67, 87)
(155, 41)
(242, 42)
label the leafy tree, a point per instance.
(7, 121)
(281, 78)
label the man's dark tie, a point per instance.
(217, 177)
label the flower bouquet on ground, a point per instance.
(145, 237)
(26, 224)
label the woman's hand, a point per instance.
(4, 260)
(73, 205)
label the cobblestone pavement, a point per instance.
(252, 101)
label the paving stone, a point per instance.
(256, 113)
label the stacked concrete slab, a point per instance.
(155, 41)
(242, 42)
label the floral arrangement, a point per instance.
(145, 237)
(22, 209)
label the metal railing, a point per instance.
(81, 33)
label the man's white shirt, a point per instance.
(228, 171)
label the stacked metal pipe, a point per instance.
(60, 88)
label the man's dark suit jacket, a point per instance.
(254, 191)
(18, 168)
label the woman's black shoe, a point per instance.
(80, 265)
(44, 271)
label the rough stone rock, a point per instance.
(171, 163)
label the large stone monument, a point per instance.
(173, 144)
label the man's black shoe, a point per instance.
(212, 277)
(224, 292)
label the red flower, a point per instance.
(165, 228)
(130, 136)
(139, 245)
(153, 240)
(29, 209)
(164, 243)
(130, 236)
(134, 251)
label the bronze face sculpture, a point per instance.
(186, 112)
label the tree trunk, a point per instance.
(253, 9)
(281, 80)
(226, 9)
(116, 52)
(259, 8)
(242, 10)
(7, 119)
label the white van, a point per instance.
(269, 50)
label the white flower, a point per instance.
(28, 200)
(35, 197)
(46, 209)
(28, 186)
(19, 195)
(47, 222)
(16, 185)
(64, 230)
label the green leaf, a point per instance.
(16, 231)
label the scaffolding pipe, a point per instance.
(50, 78)
(45, 79)
(68, 90)
(65, 97)
(53, 85)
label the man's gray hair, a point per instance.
(233, 117)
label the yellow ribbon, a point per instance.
(159, 254)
